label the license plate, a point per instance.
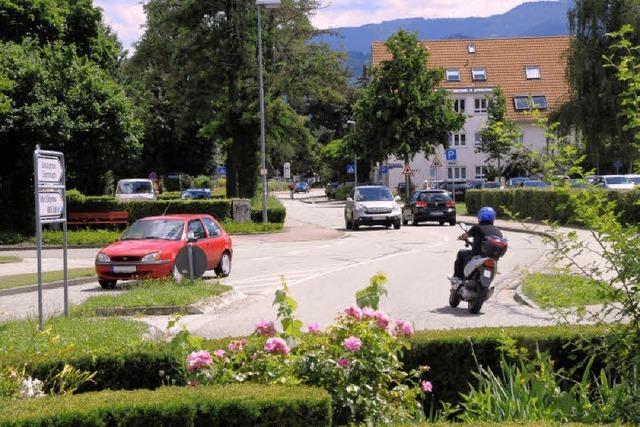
(124, 268)
(379, 218)
(436, 213)
(487, 274)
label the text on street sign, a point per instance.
(51, 205)
(49, 170)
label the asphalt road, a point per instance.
(324, 274)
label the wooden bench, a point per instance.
(98, 218)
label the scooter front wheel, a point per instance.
(454, 298)
(476, 304)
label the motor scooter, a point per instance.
(476, 286)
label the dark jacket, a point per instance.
(479, 232)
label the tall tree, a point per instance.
(402, 111)
(197, 64)
(499, 134)
(595, 108)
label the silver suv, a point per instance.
(372, 205)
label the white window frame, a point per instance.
(452, 75)
(482, 107)
(457, 172)
(472, 48)
(459, 105)
(477, 138)
(530, 102)
(480, 172)
(479, 74)
(532, 72)
(457, 139)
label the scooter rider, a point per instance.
(486, 217)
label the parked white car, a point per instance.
(372, 205)
(613, 182)
(135, 189)
(635, 179)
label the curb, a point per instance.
(47, 286)
(521, 298)
(199, 307)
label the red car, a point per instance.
(149, 247)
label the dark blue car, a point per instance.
(301, 187)
(196, 193)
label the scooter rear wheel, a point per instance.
(454, 298)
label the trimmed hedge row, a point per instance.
(548, 204)
(238, 405)
(220, 209)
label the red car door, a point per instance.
(196, 226)
(217, 242)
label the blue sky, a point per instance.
(126, 17)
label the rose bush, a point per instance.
(357, 360)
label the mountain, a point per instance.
(544, 18)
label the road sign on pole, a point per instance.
(436, 163)
(287, 170)
(351, 169)
(51, 208)
(407, 170)
(451, 155)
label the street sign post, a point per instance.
(50, 208)
(351, 169)
(617, 164)
(436, 163)
(286, 169)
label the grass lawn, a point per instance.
(563, 290)
(252, 227)
(82, 237)
(152, 293)
(18, 280)
(8, 259)
(21, 342)
(461, 208)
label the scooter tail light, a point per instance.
(489, 263)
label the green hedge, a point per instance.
(220, 209)
(450, 353)
(548, 204)
(237, 405)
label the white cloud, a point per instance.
(125, 17)
(341, 13)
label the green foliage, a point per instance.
(276, 211)
(370, 296)
(499, 135)
(152, 293)
(252, 227)
(403, 110)
(69, 380)
(202, 181)
(564, 290)
(27, 279)
(597, 93)
(81, 237)
(245, 405)
(342, 192)
(291, 327)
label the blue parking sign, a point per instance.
(383, 169)
(351, 169)
(221, 170)
(450, 155)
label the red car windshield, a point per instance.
(164, 229)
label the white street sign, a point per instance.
(287, 170)
(49, 170)
(263, 171)
(51, 205)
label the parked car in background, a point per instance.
(372, 205)
(613, 182)
(578, 183)
(458, 189)
(148, 248)
(516, 181)
(634, 178)
(301, 187)
(429, 205)
(401, 189)
(491, 185)
(135, 189)
(534, 183)
(196, 193)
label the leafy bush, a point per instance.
(241, 405)
(8, 237)
(75, 196)
(173, 184)
(202, 181)
(276, 211)
(81, 237)
(554, 204)
(169, 195)
(342, 192)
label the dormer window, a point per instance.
(521, 103)
(479, 74)
(471, 48)
(537, 102)
(532, 72)
(453, 75)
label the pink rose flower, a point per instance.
(343, 362)
(198, 359)
(368, 313)
(382, 319)
(403, 328)
(313, 328)
(276, 345)
(353, 312)
(236, 346)
(426, 386)
(266, 328)
(219, 353)
(352, 344)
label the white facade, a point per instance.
(468, 164)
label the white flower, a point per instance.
(30, 388)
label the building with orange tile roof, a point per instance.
(532, 74)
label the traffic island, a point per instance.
(155, 298)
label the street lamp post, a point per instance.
(269, 4)
(355, 157)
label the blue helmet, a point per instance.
(486, 215)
